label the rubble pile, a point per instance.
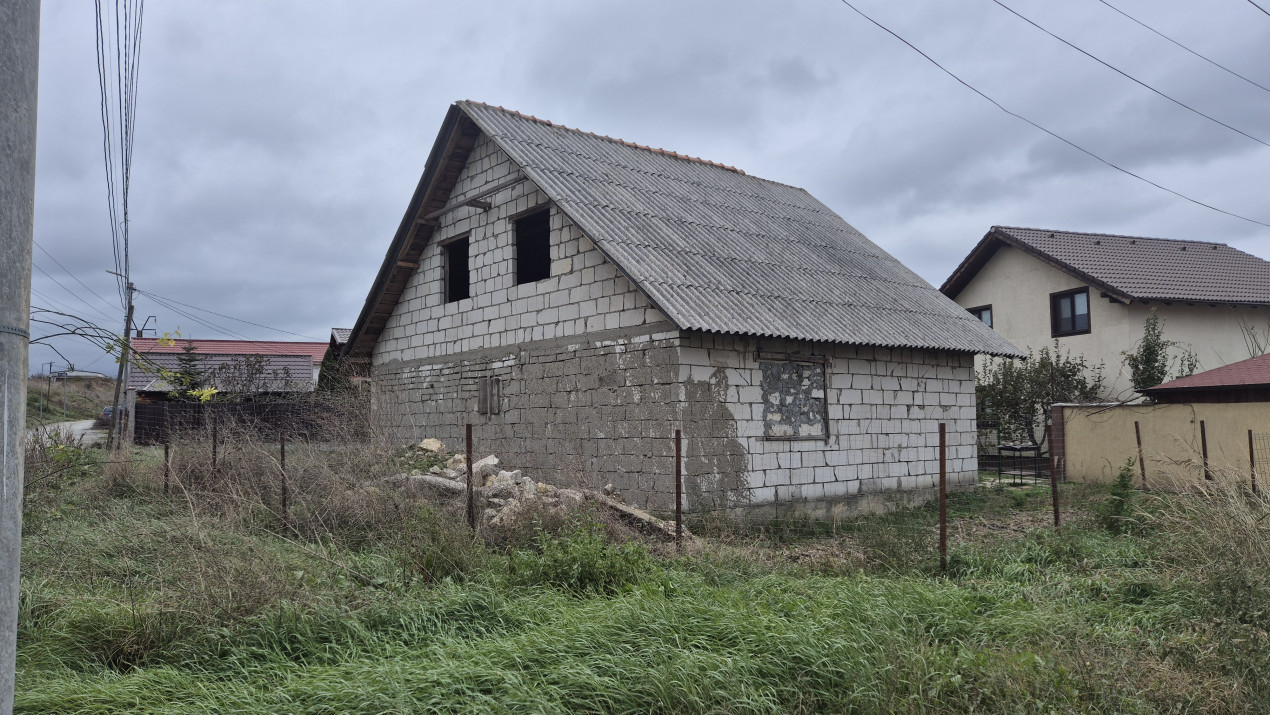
(506, 495)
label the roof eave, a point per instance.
(408, 236)
(997, 237)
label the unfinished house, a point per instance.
(578, 298)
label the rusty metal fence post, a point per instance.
(282, 463)
(471, 496)
(1203, 446)
(679, 491)
(943, 499)
(1252, 463)
(215, 426)
(167, 449)
(1054, 495)
(1142, 462)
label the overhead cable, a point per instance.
(1130, 77)
(68, 290)
(1057, 136)
(228, 317)
(72, 275)
(1193, 52)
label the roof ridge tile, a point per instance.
(615, 140)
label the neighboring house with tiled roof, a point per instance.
(578, 298)
(1093, 292)
(282, 366)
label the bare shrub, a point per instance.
(54, 461)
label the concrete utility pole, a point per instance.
(19, 70)
(115, 438)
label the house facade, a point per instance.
(1093, 293)
(577, 299)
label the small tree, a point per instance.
(333, 375)
(1018, 395)
(190, 381)
(1149, 361)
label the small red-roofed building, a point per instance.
(1243, 381)
(1213, 425)
(239, 370)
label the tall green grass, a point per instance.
(136, 602)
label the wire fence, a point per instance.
(298, 459)
(308, 420)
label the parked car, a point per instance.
(103, 420)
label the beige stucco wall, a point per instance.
(1100, 439)
(1018, 287)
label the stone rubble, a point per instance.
(503, 496)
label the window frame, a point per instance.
(814, 361)
(489, 395)
(544, 209)
(446, 277)
(1056, 300)
(977, 311)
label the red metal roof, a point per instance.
(316, 351)
(1245, 373)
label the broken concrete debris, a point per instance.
(509, 494)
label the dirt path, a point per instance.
(82, 429)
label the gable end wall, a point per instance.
(595, 381)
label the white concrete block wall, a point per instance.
(575, 351)
(884, 408)
(584, 294)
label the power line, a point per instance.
(207, 324)
(1066, 141)
(119, 53)
(229, 317)
(1130, 77)
(68, 290)
(1179, 44)
(1254, 4)
(72, 275)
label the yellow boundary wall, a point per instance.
(1098, 439)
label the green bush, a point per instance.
(582, 561)
(1116, 514)
(435, 545)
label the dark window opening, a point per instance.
(983, 313)
(533, 247)
(458, 280)
(1069, 312)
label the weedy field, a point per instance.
(80, 399)
(373, 600)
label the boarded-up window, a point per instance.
(794, 400)
(488, 396)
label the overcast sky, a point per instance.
(277, 144)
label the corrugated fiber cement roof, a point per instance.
(718, 250)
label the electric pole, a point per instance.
(19, 72)
(115, 437)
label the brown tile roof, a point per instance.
(1253, 372)
(1132, 267)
